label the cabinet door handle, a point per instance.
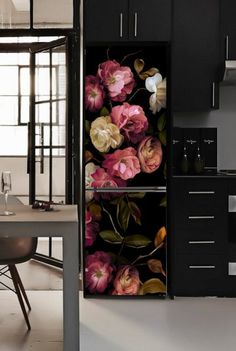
(121, 25)
(201, 192)
(201, 217)
(135, 24)
(227, 47)
(201, 267)
(201, 242)
(213, 93)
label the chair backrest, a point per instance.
(16, 250)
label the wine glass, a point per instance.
(5, 188)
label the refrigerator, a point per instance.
(124, 170)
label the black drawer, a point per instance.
(199, 196)
(199, 275)
(199, 242)
(201, 222)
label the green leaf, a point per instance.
(87, 126)
(162, 137)
(135, 212)
(136, 195)
(111, 237)
(116, 200)
(104, 112)
(161, 123)
(152, 286)
(123, 214)
(137, 241)
(163, 202)
(138, 65)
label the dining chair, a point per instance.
(12, 252)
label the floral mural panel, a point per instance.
(125, 244)
(125, 149)
(125, 116)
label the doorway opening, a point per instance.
(35, 123)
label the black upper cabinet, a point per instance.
(150, 20)
(195, 56)
(228, 29)
(133, 20)
(106, 20)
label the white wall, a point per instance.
(20, 178)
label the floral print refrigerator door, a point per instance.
(125, 171)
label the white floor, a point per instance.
(200, 324)
(185, 324)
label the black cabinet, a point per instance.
(199, 262)
(228, 29)
(133, 20)
(195, 55)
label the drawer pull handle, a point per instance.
(201, 192)
(201, 217)
(201, 242)
(202, 267)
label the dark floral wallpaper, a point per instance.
(125, 146)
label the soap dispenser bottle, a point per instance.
(185, 165)
(198, 164)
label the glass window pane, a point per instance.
(42, 114)
(13, 141)
(25, 81)
(42, 83)
(58, 136)
(53, 13)
(14, 14)
(8, 110)
(25, 102)
(11, 58)
(9, 80)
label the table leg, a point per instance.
(71, 291)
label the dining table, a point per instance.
(62, 221)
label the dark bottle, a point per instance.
(185, 165)
(198, 164)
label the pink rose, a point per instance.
(122, 163)
(118, 80)
(94, 94)
(105, 180)
(131, 120)
(150, 154)
(126, 281)
(92, 228)
(98, 272)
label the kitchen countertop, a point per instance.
(206, 175)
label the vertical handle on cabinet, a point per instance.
(227, 47)
(121, 25)
(213, 93)
(135, 24)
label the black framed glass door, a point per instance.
(48, 162)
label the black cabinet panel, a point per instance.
(133, 20)
(199, 227)
(106, 20)
(150, 20)
(195, 55)
(228, 29)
